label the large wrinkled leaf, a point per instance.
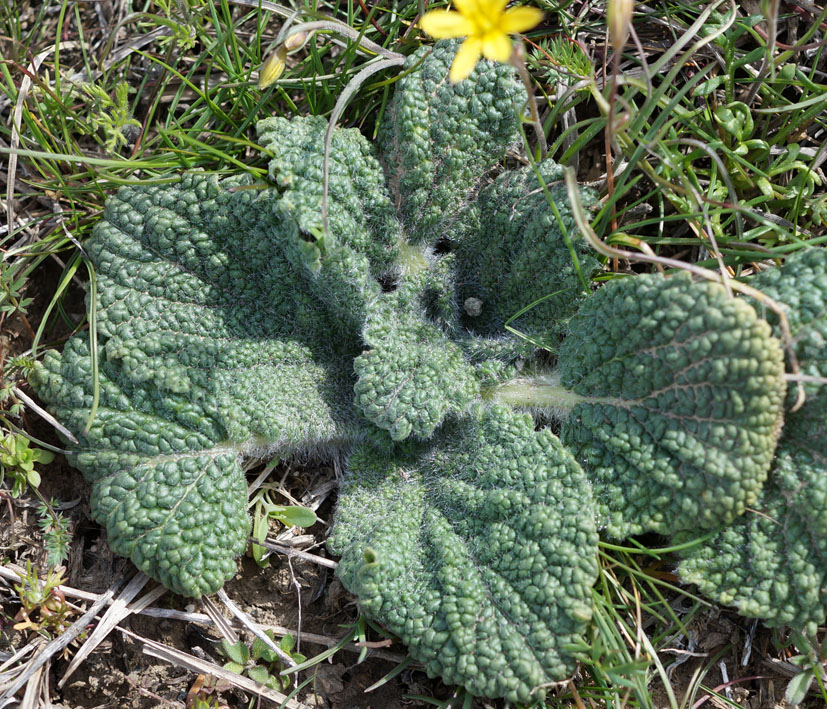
(682, 389)
(212, 346)
(360, 213)
(478, 550)
(411, 375)
(363, 235)
(772, 563)
(168, 489)
(439, 139)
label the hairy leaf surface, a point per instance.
(412, 374)
(361, 243)
(212, 345)
(478, 550)
(512, 253)
(772, 563)
(682, 392)
(439, 139)
(800, 286)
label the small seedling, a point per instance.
(811, 663)
(13, 281)
(56, 534)
(204, 693)
(17, 461)
(43, 606)
(110, 116)
(260, 662)
(265, 510)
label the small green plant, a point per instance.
(56, 533)
(812, 662)
(43, 607)
(8, 399)
(198, 702)
(264, 510)
(17, 461)
(568, 63)
(109, 115)
(205, 693)
(13, 283)
(260, 662)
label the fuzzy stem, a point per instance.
(542, 392)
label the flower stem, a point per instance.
(518, 62)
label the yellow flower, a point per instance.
(486, 24)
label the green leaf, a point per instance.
(800, 286)
(212, 347)
(237, 652)
(412, 375)
(512, 252)
(477, 549)
(438, 139)
(260, 675)
(787, 72)
(259, 532)
(772, 563)
(678, 406)
(344, 262)
(736, 119)
(261, 651)
(288, 642)
(42, 456)
(366, 225)
(292, 516)
(707, 87)
(234, 667)
(798, 687)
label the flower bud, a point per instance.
(295, 41)
(273, 68)
(619, 17)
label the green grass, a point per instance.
(712, 125)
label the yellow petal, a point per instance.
(467, 57)
(497, 46)
(520, 19)
(444, 24)
(467, 7)
(492, 8)
(485, 15)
